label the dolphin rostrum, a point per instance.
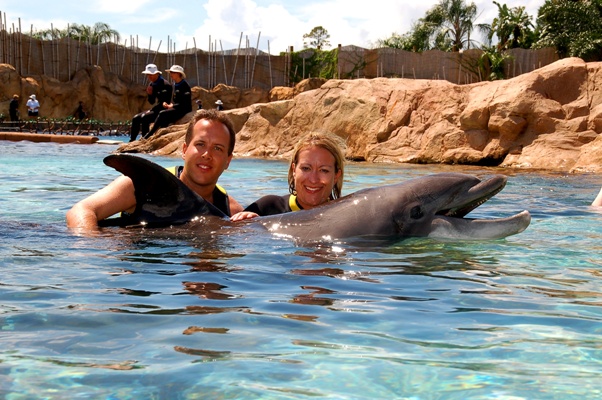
(430, 206)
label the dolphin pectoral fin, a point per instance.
(161, 198)
(479, 229)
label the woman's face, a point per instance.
(175, 76)
(315, 176)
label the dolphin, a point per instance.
(430, 206)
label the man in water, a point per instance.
(207, 152)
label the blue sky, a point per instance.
(278, 24)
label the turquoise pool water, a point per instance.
(157, 315)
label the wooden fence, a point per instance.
(244, 67)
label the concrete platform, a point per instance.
(45, 137)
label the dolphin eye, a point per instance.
(416, 212)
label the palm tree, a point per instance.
(452, 22)
(447, 26)
(512, 26)
(99, 33)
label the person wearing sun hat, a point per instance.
(33, 106)
(180, 105)
(158, 92)
(219, 105)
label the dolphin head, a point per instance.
(436, 205)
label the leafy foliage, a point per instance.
(313, 64)
(447, 26)
(99, 33)
(573, 27)
(513, 28)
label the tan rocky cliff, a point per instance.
(548, 119)
(105, 95)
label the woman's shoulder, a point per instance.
(270, 204)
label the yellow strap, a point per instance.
(292, 203)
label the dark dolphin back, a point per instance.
(161, 198)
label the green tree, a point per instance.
(573, 27)
(416, 40)
(446, 26)
(100, 32)
(318, 38)
(512, 27)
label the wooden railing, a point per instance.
(67, 127)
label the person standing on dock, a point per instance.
(158, 92)
(33, 106)
(13, 108)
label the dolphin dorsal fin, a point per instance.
(161, 198)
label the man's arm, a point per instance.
(116, 197)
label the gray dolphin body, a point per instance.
(430, 206)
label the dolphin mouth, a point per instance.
(449, 221)
(474, 197)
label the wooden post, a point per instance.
(209, 81)
(223, 62)
(2, 59)
(125, 45)
(150, 40)
(20, 49)
(196, 58)
(270, 65)
(255, 61)
(236, 61)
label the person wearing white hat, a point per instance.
(158, 92)
(33, 106)
(220, 105)
(179, 106)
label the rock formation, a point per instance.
(106, 96)
(548, 119)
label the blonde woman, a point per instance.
(315, 177)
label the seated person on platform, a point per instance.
(181, 104)
(315, 176)
(158, 92)
(207, 152)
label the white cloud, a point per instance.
(283, 23)
(121, 7)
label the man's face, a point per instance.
(153, 78)
(206, 156)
